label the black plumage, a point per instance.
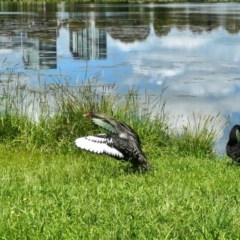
(122, 142)
(233, 146)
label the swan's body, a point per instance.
(122, 142)
(233, 146)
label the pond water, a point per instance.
(191, 49)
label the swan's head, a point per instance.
(235, 133)
(89, 114)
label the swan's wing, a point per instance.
(99, 144)
(103, 124)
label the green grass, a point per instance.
(86, 196)
(51, 190)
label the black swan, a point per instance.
(121, 143)
(233, 146)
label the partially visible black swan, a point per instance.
(121, 143)
(233, 146)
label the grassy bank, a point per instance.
(85, 196)
(51, 190)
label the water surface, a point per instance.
(192, 49)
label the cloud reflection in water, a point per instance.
(201, 71)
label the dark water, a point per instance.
(193, 49)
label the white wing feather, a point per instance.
(97, 145)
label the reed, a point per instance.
(198, 136)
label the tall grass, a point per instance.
(198, 135)
(50, 116)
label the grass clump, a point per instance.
(197, 137)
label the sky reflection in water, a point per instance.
(197, 60)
